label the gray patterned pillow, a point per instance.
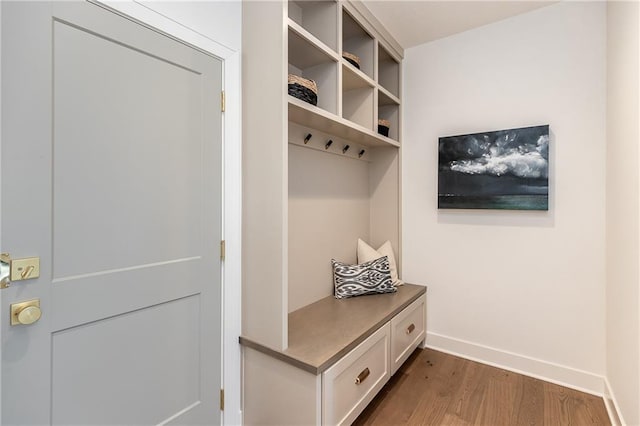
(366, 278)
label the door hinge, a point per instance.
(221, 399)
(222, 250)
(222, 101)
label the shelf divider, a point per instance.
(387, 98)
(312, 40)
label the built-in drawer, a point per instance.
(407, 331)
(351, 383)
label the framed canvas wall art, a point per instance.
(504, 169)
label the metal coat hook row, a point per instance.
(329, 143)
(307, 138)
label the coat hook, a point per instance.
(345, 149)
(361, 153)
(307, 138)
(328, 144)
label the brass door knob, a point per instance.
(29, 315)
(25, 313)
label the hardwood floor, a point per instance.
(434, 388)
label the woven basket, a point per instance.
(303, 89)
(352, 59)
(383, 127)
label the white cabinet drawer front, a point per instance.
(407, 331)
(351, 383)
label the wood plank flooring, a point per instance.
(434, 388)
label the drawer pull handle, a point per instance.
(410, 329)
(362, 376)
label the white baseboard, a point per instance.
(615, 415)
(580, 380)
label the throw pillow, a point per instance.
(367, 253)
(366, 278)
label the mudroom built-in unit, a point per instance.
(321, 170)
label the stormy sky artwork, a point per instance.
(504, 170)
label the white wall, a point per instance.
(216, 20)
(328, 210)
(623, 209)
(524, 290)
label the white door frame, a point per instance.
(232, 192)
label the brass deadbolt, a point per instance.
(25, 313)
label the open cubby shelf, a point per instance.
(357, 96)
(358, 41)
(388, 71)
(314, 62)
(389, 109)
(357, 106)
(390, 113)
(318, 18)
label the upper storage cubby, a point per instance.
(357, 97)
(388, 71)
(319, 18)
(357, 41)
(325, 39)
(389, 110)
(313, 62)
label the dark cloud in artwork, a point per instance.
(523, 153)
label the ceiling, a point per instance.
(419, 21)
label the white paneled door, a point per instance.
(111, 175)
